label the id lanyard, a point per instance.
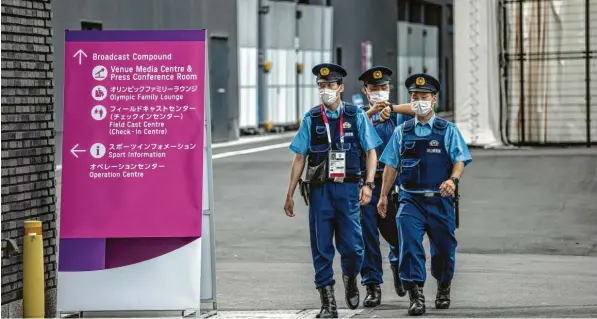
(327, 126)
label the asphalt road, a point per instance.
(527, 241)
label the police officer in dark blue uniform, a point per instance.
(333, 137)
(431, 155)
(376, 81)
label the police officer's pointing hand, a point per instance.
(289, 207)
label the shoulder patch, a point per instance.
(315, 111)
(440, 123)
(350, 110)
(408, 125)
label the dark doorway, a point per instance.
(222, 125)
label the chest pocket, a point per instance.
(409, 148)
(320, 130)
(409, 172)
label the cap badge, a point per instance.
(420, 81)
(324, 71)
(377, 75)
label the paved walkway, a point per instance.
(527, 242)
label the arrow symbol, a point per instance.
(80, 54)
(74, 150)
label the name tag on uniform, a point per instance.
(337, 162)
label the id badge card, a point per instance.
(337, 162)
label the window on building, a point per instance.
(339, 55)
(450, 14)
(415, 11)
(91, 25)
(402, 10)
(314, 2)
(433, 14)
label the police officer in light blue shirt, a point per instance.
(430, 154)
(376, 86)
(332, 138)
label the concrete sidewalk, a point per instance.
(500, 285)
(527, 246)
(509, 286)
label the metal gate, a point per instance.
(548, 51)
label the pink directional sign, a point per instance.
(133, 134)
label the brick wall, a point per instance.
(28, 146)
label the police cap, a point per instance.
(377, 75)
(328, 72)
(422, 82)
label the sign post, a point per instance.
(135, 171)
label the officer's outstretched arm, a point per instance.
(403, 109)
(298, 164)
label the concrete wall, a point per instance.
(217, 16)
(355, 22)
(315, 46)
(28, 183)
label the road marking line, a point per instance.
(250, 150)
(252, 140)
(234, 153)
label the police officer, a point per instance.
(333, 135)
(431, 155)
(376, 86)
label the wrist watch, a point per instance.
(370, 184)
(455, 180)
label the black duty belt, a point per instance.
(348, 179)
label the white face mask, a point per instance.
(378, 96)
(422, 108)
(328, 97)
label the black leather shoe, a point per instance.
(352, 291)
(417, 301)
(442, 299)
(373, 297)
(397, 282)
(328, 303)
